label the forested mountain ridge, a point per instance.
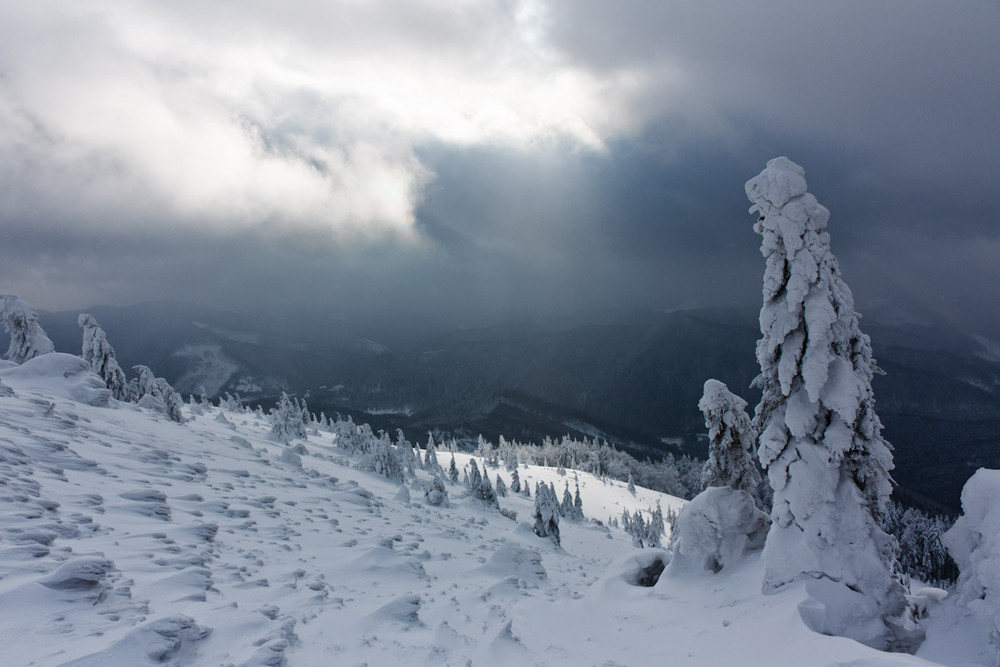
(631, 376)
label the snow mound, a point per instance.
(716, 529)
(516, 560)
(157, 642)
(59, 375)
(78, 574)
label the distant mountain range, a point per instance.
(632, 377)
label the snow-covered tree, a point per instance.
(730, 440)
(453, 470)
(380, 457)
(405, 452)
(515, 481)
(430, 455)
(501, 488)
(156, 393)
(820, 439)
(566, 508)
(20, 321)
(436, 494)
(286, 420)
(974, 543)
(578, 504)
(480, 486)
(97, 352)
(546, 513)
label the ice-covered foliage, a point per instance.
(286, 419)
(820, 439)
(155, 393)
(974, 543)
(97, 352)
(20, 321)
(546, 513)
(435, 493)
(453, 470)
(730, 440)
(716, 529)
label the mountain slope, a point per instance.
(129, 539)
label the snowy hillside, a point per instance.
(128, 539)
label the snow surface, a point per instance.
(129, 539)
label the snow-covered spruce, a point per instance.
(730, 440)
(820, 439)
(546, 513)
(287, 423)
(97, 352)
(20, 320)
(155, 393)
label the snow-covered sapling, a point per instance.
(97, 352)
(730, 440)
(20, 320)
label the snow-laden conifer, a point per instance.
(286, 420)
(820, 439)
(515, 481)
(150, 391)
(730, 440)
(20, 320)
(546, 513)
(453, 470)
(97, 352)
(430, 454)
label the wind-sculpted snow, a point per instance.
(128, 539)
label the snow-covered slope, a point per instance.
(127, 539)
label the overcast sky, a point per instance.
(470, 160)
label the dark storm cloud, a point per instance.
(464, 162)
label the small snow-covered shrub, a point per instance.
(716, 529)
(436, 494)
(974, 544)
(27, 338)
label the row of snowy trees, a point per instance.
(28, 340)
(676, 476)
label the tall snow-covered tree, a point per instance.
(515, 481)
(730, 440)
(97, 352)
(820, 439)
(20, 320)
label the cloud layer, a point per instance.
(469, 159)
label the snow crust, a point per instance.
(129, 539)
